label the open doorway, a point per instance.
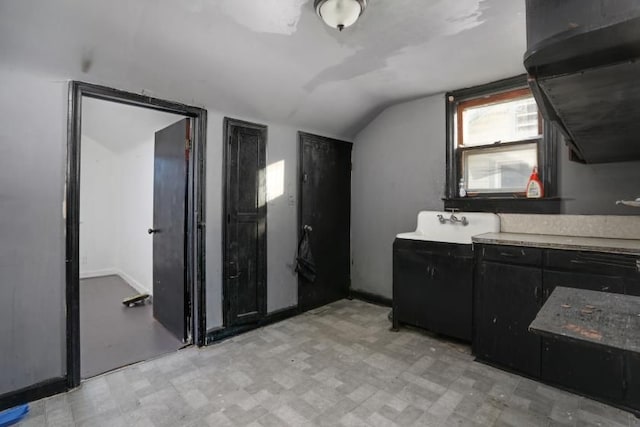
(134, 228)
(119, 177)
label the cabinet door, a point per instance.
(411, 269)
(632, 380)
(594, 371)
(507, 299)
(449, 296)
(433, 287)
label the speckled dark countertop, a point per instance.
(600, 318)
(547, 241)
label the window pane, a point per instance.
(500, 169)
(511, 120)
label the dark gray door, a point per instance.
(325, 205)
(169, 227)
(246, 223)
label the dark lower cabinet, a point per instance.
(632, 381)
(432, 286)
(507, 299)
(510, 286)
(410, 273)
(593, 371)
(451, 301)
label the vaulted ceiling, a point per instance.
(271, 60)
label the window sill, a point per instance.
(547, 205)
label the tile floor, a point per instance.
(338, 365)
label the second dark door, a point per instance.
(325, 206)
(245, 246)
(170, 296)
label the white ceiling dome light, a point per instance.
(340, 14)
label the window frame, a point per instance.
(489, 148)
(494, 98)
(456, 101)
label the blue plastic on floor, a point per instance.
(13, 415)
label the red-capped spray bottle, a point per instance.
(534, 187)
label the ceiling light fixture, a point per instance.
(340, 14)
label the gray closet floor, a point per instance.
(112, 335)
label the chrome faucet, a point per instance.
(453, 219)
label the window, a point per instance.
(496, 136)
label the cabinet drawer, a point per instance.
(592, 282)
(593, 262)
(426, 247)
(512, 255)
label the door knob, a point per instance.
(152, 231)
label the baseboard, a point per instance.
(117, 272)
(134, 283)
(32, 393)
(222, 332)
(282, 314)
(98, 273)
(371, 298)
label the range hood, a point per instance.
(584, 70)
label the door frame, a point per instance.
(195, 236)
(228, 124)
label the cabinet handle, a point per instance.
(578, 261)
(536, 293)
(430, 272)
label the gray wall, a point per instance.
(594, 189)
(33, 115)
(32, 159)
(398, 170)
